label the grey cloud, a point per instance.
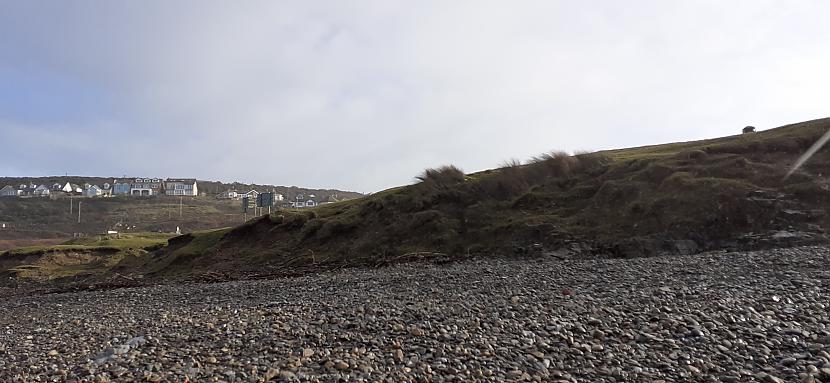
(363, 95)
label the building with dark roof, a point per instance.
(181, 187)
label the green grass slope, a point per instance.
(30, 219)
(676, 198)
(33, 221)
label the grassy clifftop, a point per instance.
(679, 198)
(728, 192)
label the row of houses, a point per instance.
(119, 186)
(252, 196)
(34, 190)
(155, 186)
(299, 201)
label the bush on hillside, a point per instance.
(507, 182)
(513, 179)
(554, 164)
(513, 163)
(439, 179)
(444, 175)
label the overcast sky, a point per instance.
(363, 95)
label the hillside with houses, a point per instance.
(64, 186)
(143, 187)
(48, 209)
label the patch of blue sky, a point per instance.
(29, 97)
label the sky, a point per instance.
(363, 95)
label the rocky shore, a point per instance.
(715, 317)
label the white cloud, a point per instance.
(363, 95)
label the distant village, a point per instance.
(119, 186)
(147, 187)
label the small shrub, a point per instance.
(551, 157)
(438, 180)
(511, 163)
(506, 182)
(444, 176)
(553, 164)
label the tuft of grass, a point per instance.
(506, 182)
(443, 176)
(554, 164)
(512, 163)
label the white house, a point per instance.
(42, 191)
(302, 201)
(106, 190)
(93, 191)
(146, 186)
(252, 195)
(303, 204)
(9, 191)
(121, 186)
(230, 194)
(72, 188)
(181, 186)
(26, 190)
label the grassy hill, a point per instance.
(676, 198)
(32, 221)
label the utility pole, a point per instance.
(181, 199)
(79, 211)
(70, 204)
